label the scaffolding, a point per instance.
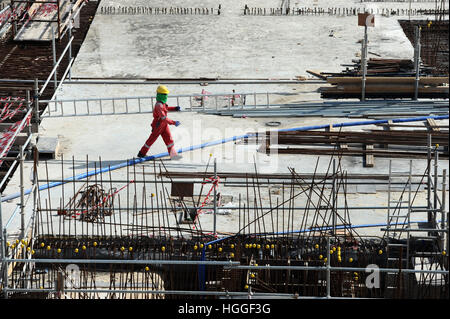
(155, 234)
(42, 20)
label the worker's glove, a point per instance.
(177, 123)
(177, 108)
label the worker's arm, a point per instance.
(161, 113)
(173, 108)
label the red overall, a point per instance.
(160, 126)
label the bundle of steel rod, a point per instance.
(368, 109)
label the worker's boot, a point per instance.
(174, 155)
(140, 155)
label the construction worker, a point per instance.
(160, 124)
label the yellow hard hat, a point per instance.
(162, 89)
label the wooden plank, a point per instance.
(369, 159)
(388, 79)
(317, 74)
(432, 125)
(383, 89)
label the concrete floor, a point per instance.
(227, 46)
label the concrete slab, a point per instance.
(48, 146)
(230, 45)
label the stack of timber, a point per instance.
(382, 67)
(387, 142)
(386, 78)
(385, 87)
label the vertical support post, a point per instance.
(436, 159)
(70, 46)
(409, 11)
(334, 198)
(429, 176)
(443, 202)
(215, 198)
(435, 186)
(14, 17)
(54, 57)
(4, 264)
(2, 247)
(417, 62)
(364, 65)
(328, 269)
(59, 20)
(29, 132)
(22, 203)
(35, 178)
(443, 197)
(389, 198)
(36, 106)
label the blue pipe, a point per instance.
(212, 143)
(314, 229)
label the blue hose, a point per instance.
(315, 229)
(212, 143)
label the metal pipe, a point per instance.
(325, 268)
(328, 269)
(55, 67)
(14, 164)
(126, 261)
(29, 107)
(236, 183)
(228, 264)
(215, 197)
(443, 196)
(22, 206)
(222, 82)
(364, 65)
(225, 208)
(54, 54)
(19, 129)
(70, 49)
(4, 268)
(173, 292)
(36, 105)
(417, 62)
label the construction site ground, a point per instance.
(225, 46)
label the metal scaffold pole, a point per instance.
(417, 49)
(215, 198)
(364, 65)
